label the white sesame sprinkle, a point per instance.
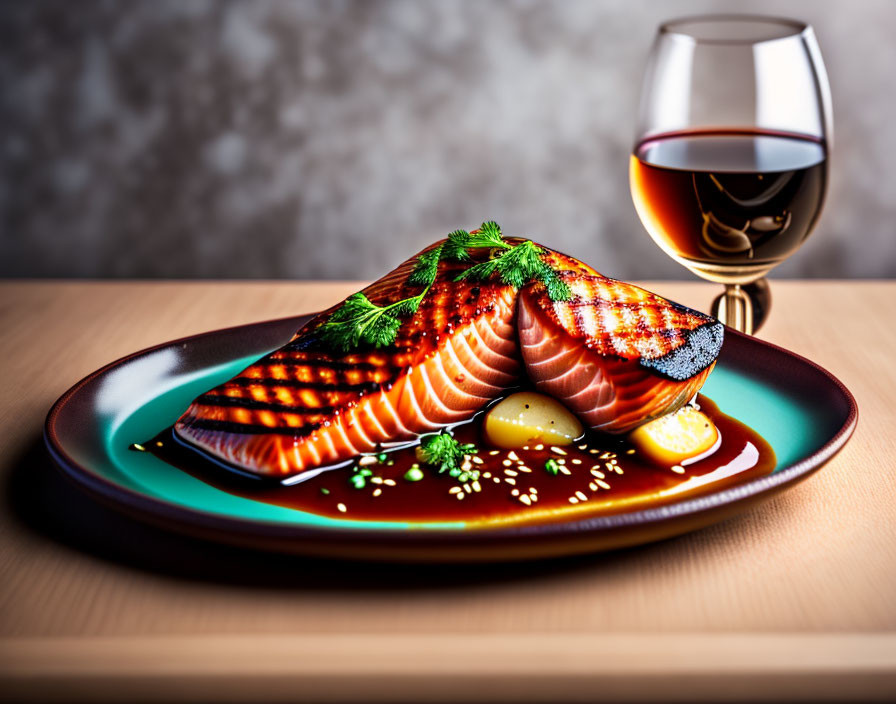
(592, 486)
(565, 471)
(678, 469)
(377, 492)
(557, 451)
(576, 461)
(476, 486)
(583, 447)
(602, 484)
(573, 500)
(510, 472)
(539, 447)
(525, 447)
(630, 452)
(460, 496)
(494, 452)
(524, 468)
(454, 490)
(486, 475)
(477, 460)
(507, 463)
(581, 496)
(512, 456)
(467, 488)
(561, 462)
(533, 490)
(342, 508)
(376, 480)
(496, 480)
(526, 500)
(510, 481)
(515, 492)
(389, 482)
(367, 460)
(597, 473)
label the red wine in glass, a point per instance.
(729, 204)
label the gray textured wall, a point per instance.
(306, 139)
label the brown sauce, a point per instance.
(598, 475)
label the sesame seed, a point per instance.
(512, 455)
(377, 492)
(533, 490)
(576, 461)
(534, 497)
(389, 482)
(460, 496)
(510, 473)
(496, 480)
(678, 469)
(581, 496)
(561, 461)
(342, 508)
(609, 467)
(556, 450)
(525, 447)
(583, 447)
(507, 463)
(486, 475)
(573, 500)
(602, 484)
(376, 480)
(467, 488)
(539, 447)
(524, 468)
(592, 486)
(605, 455)
(477, 460)
(494, 452)
(476, 487)
(467, 466)
(565, 471)
(454, 490)
(597, 473)
(515, 492)
(510, 481)
(630, 452)
(367, 460)
(526, 500)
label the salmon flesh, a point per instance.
(615, 354)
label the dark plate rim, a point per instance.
(162, 512)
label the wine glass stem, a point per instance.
(736, 309)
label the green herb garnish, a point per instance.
(551, 467)
(359, 477)
(447, 454)
(360, 321)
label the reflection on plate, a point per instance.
(801, 410)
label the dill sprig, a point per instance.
(360, 321)
(443, 451)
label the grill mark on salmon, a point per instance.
(613, 350)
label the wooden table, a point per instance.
(794, 599)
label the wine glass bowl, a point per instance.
(729, 169)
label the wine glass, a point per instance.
(729, 168)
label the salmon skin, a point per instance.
(306, 407)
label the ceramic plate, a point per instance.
(800, 409)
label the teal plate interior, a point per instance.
(800, 409)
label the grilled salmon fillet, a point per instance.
(616, 355)
(304, 407)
